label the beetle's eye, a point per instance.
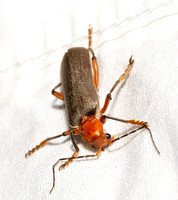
(108, 136)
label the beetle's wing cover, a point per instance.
(80, 95)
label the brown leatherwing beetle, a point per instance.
(79, 92)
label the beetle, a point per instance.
(80, 95)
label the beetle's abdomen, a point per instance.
(80, 94)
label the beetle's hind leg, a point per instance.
(94, 60)
(57, 94)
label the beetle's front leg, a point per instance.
(69, 160)
(44, 142)
(134, 122)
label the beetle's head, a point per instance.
(92, 131)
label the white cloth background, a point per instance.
(34, 37)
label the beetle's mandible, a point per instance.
(79, 92)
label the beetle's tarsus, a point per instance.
(131, 61)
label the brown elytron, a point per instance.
(82, 104)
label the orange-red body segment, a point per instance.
(92, 131)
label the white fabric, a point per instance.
(34, 37)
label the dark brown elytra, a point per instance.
(79, 92)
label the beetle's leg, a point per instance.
(94, 60)
(95, 68)
(135, 122)
(75, 155)
(44, 142)
(122, 77)
(70, 159)
(90, 31)
(96, 71)
(57, 94)
(132, 121)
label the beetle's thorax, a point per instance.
(92, 131)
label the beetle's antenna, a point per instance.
(70, 159)
(134, 122)
(153, 140)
